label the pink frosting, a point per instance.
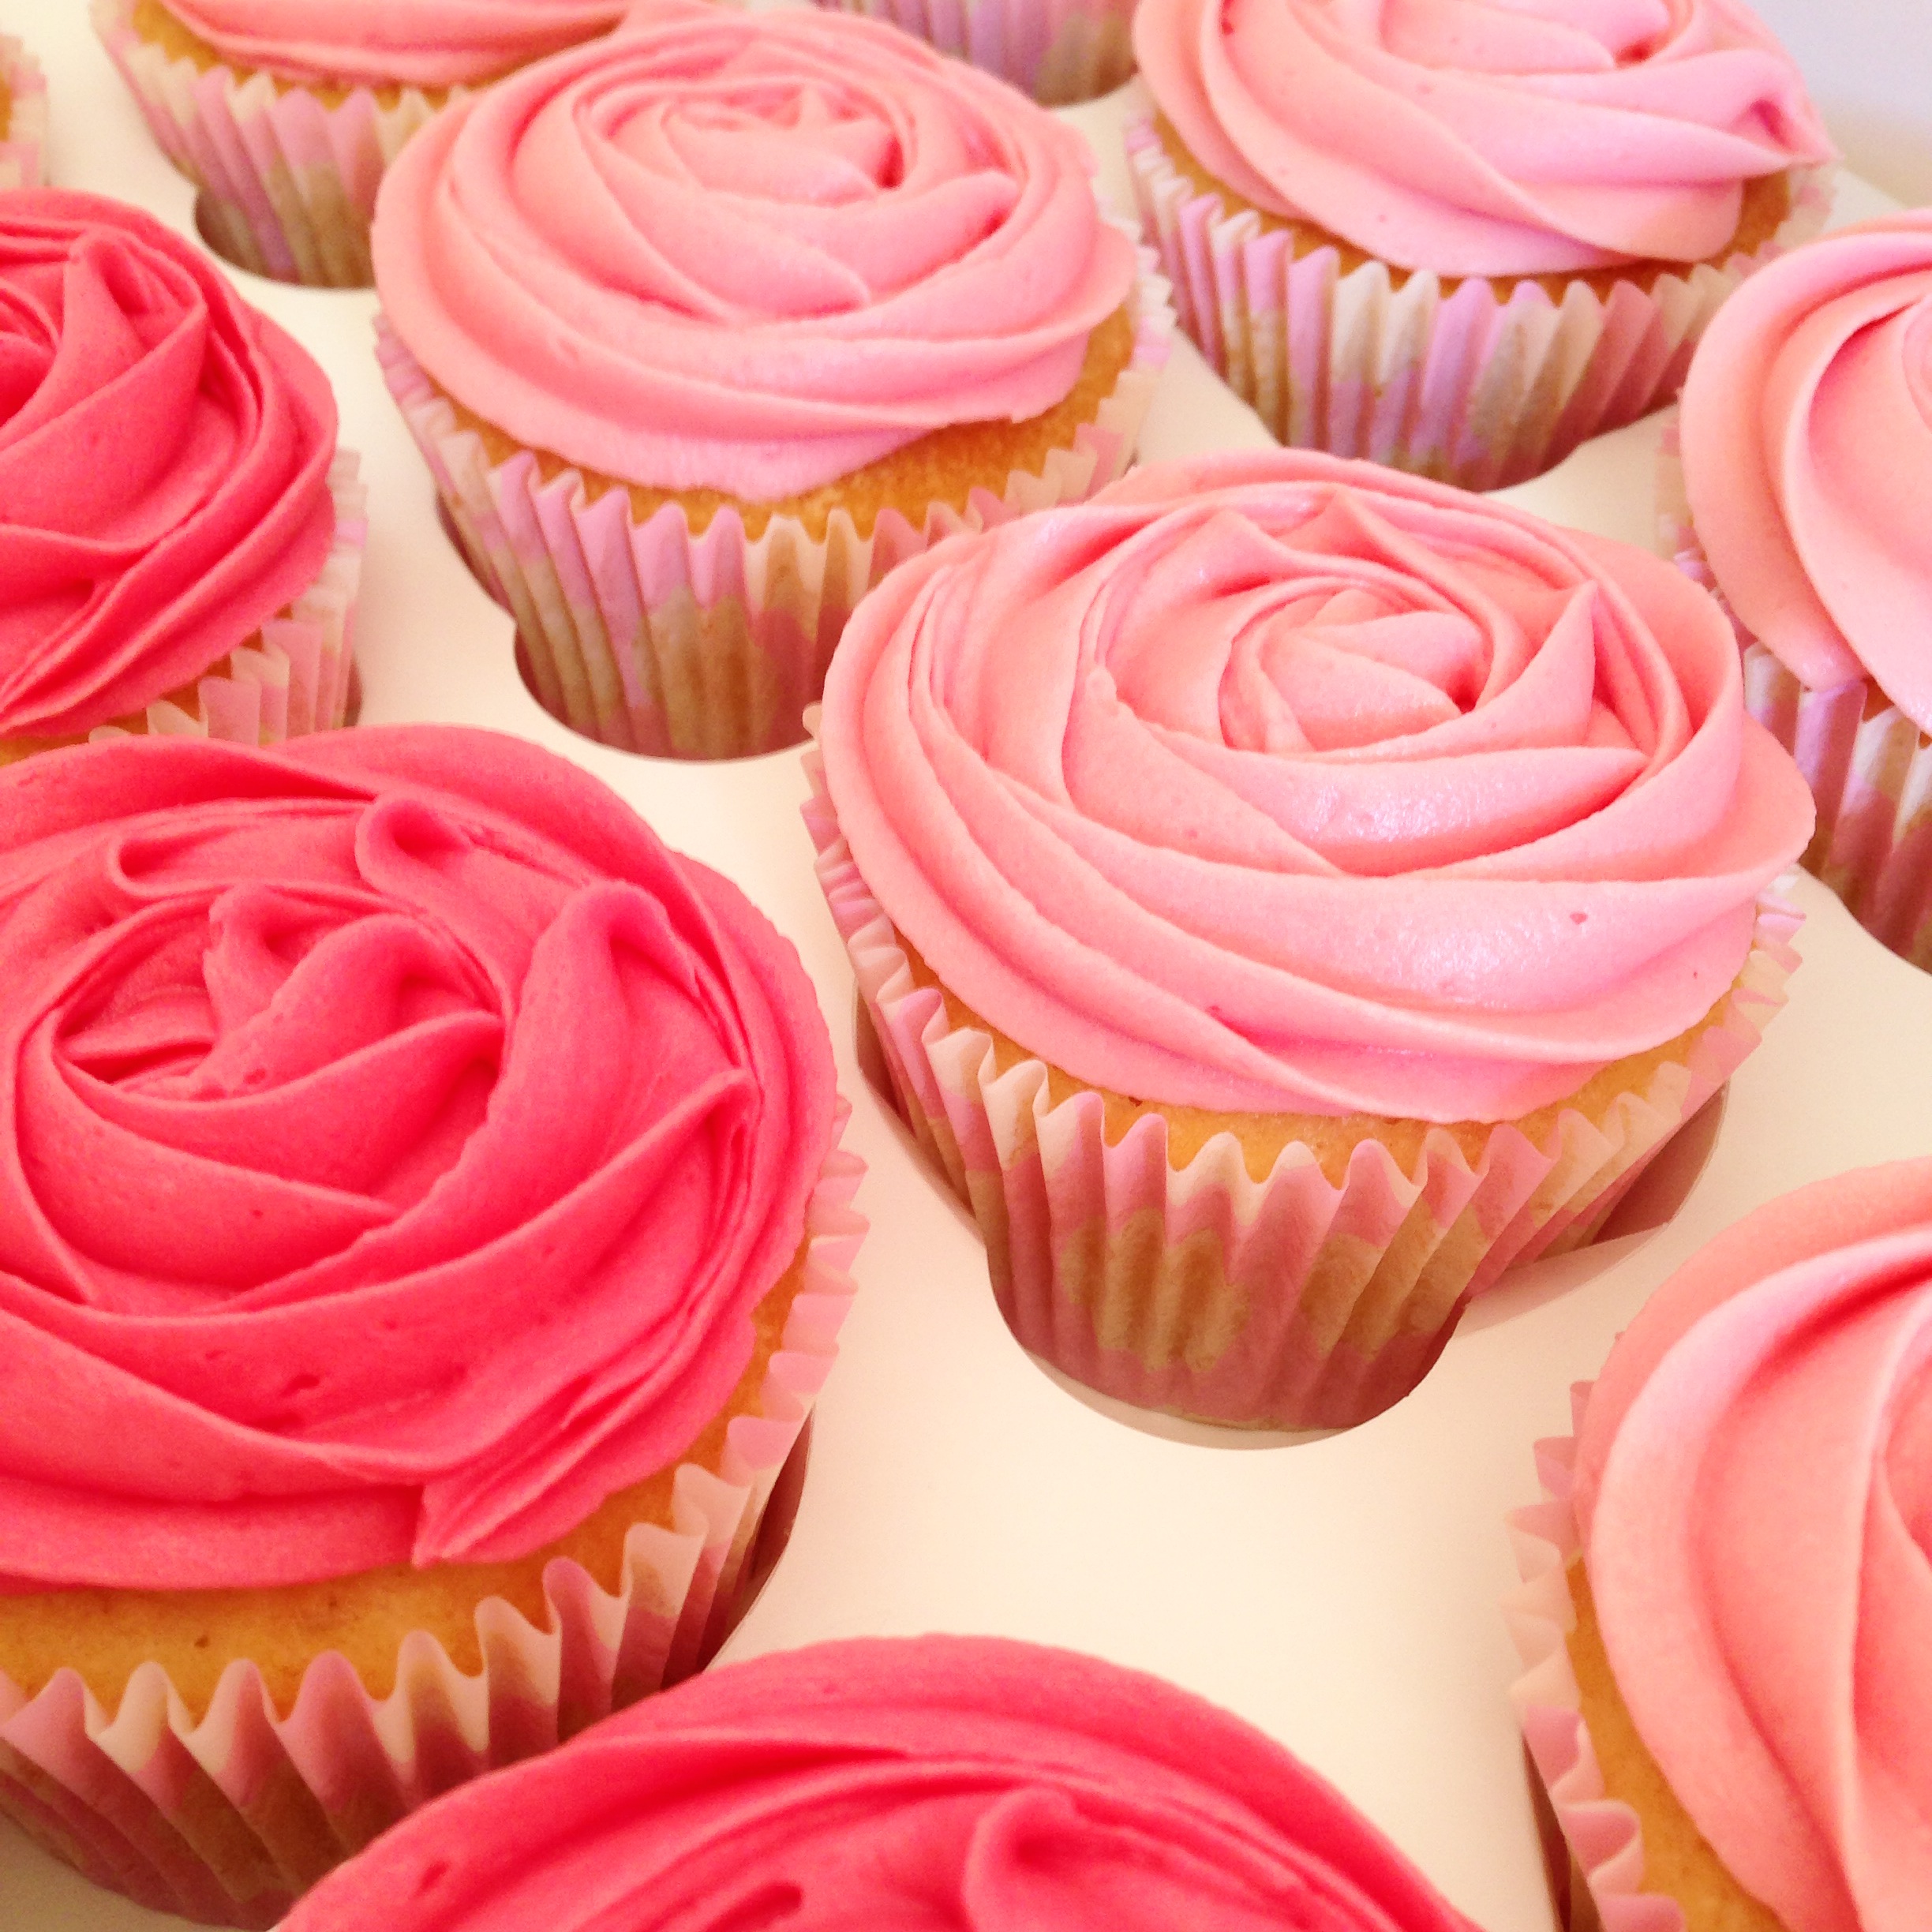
(747, 252)
(428, 43)
(164, 459)
(969, 1783)
(1755, 1488)
(1500, 138)
(1807, 453)
(399, 1138)
(1277, 782)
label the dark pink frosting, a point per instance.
(399, 1138)
(1754, 1491)
(750, 253)
(164, 460)
(1280, 783)
(895, 1784)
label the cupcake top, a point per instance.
(164, 461)
(1754, 1491)
(1486, 137)
(434, 44)
(1277, 782)
(967, 1782)
(1806, 440)
(748, 253)
(398, 1140)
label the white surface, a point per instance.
(1341, 1594)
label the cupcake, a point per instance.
(1805, 446)
(1287, 893)
(423, 1235)
(1728, 1607)
(285, 113)
(1456, 239)
(184, 536)
(23, 115)
(974, 1782)
(704, 328)
(1057, 51)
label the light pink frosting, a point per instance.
(969, 1783)
(398, 1139)
(1807, 453)
(1501, 137)
(750, 253)
(1755, 1489)
(164, 460)
(426, 42)
(1277, 782)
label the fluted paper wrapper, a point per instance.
(1465, 385)
(24, 132)
(1057, 51)
(1868, 765)
(1602, 1836)
(710, 645)
(227, 1820)
(295, 675)
(1290, 1302)
(288, 181)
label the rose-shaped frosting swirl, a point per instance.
(398, 1138)
(1754, 1490)
(1499, 137)
(164, 458)
(1270, 782)
(434, 44)
(1807, 454)
(749, 252)
(973, 1783)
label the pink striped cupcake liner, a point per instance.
(1057, 51)
(1444, 380)
(1868, 765)
(710, 644)
(227, 1819)
(24, 134)
(288, 181)
(1290, 1302)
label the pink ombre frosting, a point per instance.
(398, 1139)
(1807, 437)
(1501, 137)
(749, 252)
(1277, 782)
(1754, 1492)
(164, 460)
(427, 42)
(969, 1783)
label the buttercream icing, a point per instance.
(975, 1783)
(746, 253)
(1276, 782)
(1754, 1494)
(164, 460)
(431, 44)
(399, 1138)
(1486, 137)
(1806, 444)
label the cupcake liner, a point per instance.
(1603, 1836)
(654, 640)
(1057, 51)
(24, 133)
(1460, 385)
(295, 675)
(226, 1820)
(1868, 765)
(1286, 1303)
(288, 181)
